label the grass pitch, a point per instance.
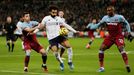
(85, 60)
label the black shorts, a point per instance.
(11, 37)
(18, 36)
(57, 40)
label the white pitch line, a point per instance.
(110, 53)
(34, 73)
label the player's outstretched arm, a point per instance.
(31, 29)
(96, 26)
(70, 28)
(129, 36)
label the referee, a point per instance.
(9, 28)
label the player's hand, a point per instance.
(77, 32)
(81, 33)
(40, 26)
(130, 37)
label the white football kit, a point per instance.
(53, 26)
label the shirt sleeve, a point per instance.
(88, 26)
(34, 23)
(23, 26)
(125, 23)
(61, 22)
(98, 24)
(43, 22)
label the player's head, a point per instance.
(9, 19)
(53, 10)
(94, 21)
(61, 13)
(26, 16)
(110, 10)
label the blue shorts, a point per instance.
(57, 40)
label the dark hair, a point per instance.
(112, 7)
(53, 7)
(24, 13)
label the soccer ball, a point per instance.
(63, 31)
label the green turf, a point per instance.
(85, 60)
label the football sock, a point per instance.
(8, 44)
(44, 58)
(90, 42)
(124, 56)
(12, 46)
(27, 58)
(62, 51)
(57, 55)
(101, 58)
(70, 54)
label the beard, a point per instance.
(53, 16)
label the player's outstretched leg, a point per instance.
(8, 44)
(101, 60)
(89, 43)
(125, 58)
(57, 55)
(44, 59)
(70, 56)
(60, 60)
(61, 53)
(12, 46)
(26, 62)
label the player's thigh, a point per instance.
(119, 42)
(36, 46)
(42, 51)
(64, 41)
(54, 48)
(13, 38)
(8, 38)
(27, 45)
(66, 44)
(107, 43)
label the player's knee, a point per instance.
(44, 54)
(103, 47)
(54, 48)
(122, 52)
(101, 51)
(67, 45)
(42, 51)
(28, 53)
(121, 49)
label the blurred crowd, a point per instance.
(78, 13)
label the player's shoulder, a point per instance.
(106, 16)
(24, 23)
(118, 15)
(47, 17)
(59, 18)
(19, 23)
(33, 21)
(90, 23)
